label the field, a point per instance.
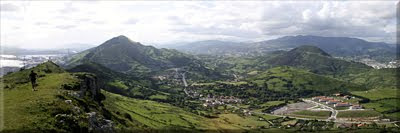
(312, 114)
(268, 104)
(242, 122)
(358, 114)
(376, 94)
(382, 100)
(389, 107)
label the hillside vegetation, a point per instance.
(289, 79)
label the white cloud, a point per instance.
(50, 24)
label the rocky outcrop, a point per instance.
(89, 86)
(98, 124)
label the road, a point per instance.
(334, 111)
(184, 79)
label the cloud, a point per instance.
(131, 21)
(68, 8)
(65, 27)
(41, 23)
(357, 19)
(46, 22)
(8, 7)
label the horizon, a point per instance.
(173, 43)
(30, 25)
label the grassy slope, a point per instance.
(376, 94)
(162, 116)
(376, 78)
(384, 100)
(24, 108)
(46, 109)
(279, 77)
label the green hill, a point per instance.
(117, 82)
(292, 80)
(376, 78)
(73, 102)
(123, 55)
(316, 60)
(61, 103)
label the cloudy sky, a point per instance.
(45, 24)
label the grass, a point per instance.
(24, 107)
(285, 79)
(376, 94)
(268, 104)
(358, 114)
(268, 117)
(242, 122)
(312, 114)
(383, 105)
(158, 96)
(233, 83)
(118, 84)
(389, 107)
(155, 115)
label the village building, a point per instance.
(337, 94)
(318, 98)
(325, 99)
(347, 97)
(332, 102)
(341, 105)
(356, 107)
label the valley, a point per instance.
(122, 85)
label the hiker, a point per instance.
(32, 77)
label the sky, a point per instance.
(57, 24)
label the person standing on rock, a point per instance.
(32, 77)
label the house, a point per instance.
(361, 125)
(347, 97)
(341, 105)
(325, 99)
(332, 102)
(344, 125)
(356, 107)
(318, 98)
(337, 94)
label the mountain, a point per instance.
(68, 49)
(316, 60)
(116, 82)
(336, 46)
(302, 81)
(123, 55)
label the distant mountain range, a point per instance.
(336, 46)
(70, 49)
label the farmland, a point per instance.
(358, 114)
(376, 94)
(312, 114)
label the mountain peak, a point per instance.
(310, 49)
(119, 40)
